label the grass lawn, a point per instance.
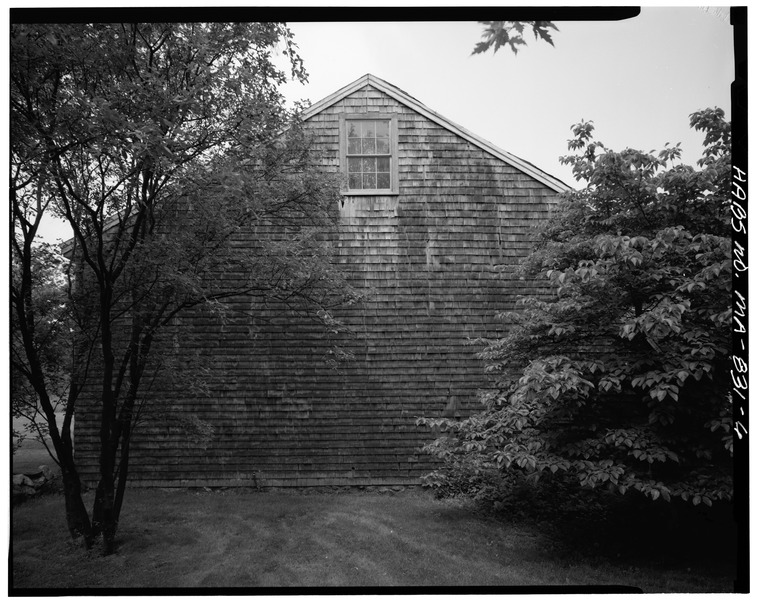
(280, 539)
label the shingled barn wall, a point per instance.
(437, 261)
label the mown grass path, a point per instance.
(281, 539)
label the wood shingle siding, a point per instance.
(436, 260)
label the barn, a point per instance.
(434, 221)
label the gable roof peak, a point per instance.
(404, 98)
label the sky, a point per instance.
(638, 80)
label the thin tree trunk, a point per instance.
(123, 474)
(77, 519)
(110, 522)
(104, 521)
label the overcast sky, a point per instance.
(638, 79)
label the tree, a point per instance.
(510, 33)
(619, 379)
(161, 146)
(52, 332)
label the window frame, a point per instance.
(393, 167)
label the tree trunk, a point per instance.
(104, 520)
(77, 518)
(123, 474)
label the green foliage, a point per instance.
(510, 33)
(619, 379)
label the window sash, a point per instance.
(369, 172)
(369, 153)
(369, 137)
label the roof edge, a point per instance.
(324, 103)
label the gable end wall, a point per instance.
(437, 262)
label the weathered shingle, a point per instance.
(438, 261)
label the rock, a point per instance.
(22, 480)
(36, 479)
(29, 484)
(23, 486)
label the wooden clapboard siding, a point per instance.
(437, 262)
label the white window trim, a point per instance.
(393, 168)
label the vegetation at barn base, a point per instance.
(158, 145)
(619, 379)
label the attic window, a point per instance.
(369, 153)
